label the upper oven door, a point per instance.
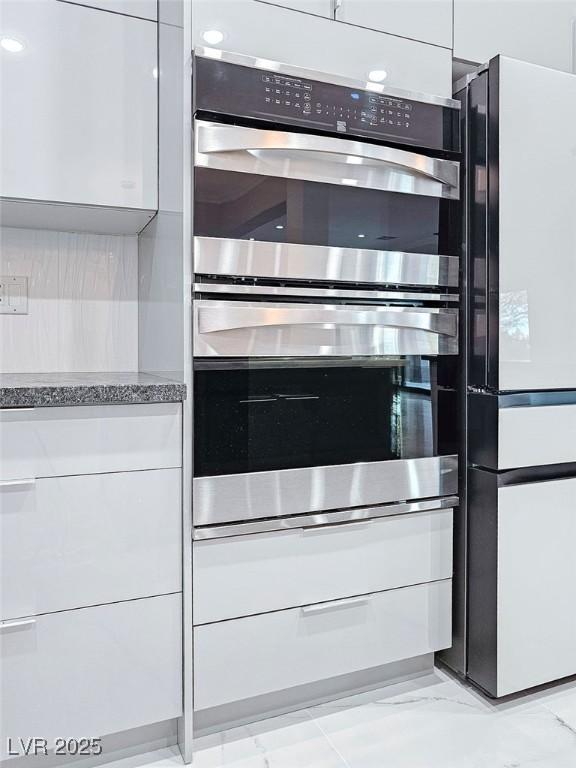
(239, 328)
(290, 189)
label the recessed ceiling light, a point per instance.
(377, 75)
(213, 36)
(361, 235)
(11, 45)
(279, 226)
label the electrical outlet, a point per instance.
(13, 295)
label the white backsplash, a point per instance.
(83, 302)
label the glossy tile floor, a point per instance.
(435, 722)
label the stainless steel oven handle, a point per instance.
(229, 318)
(215, 139)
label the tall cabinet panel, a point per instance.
(427, 20)
(80, 106)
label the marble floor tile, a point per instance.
(431, 722)
(283, 742)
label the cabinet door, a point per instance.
(244, 575)
(85, 440)
(540, 32)
(249, 657)
(319, 44)
(145, 9)
(90, 672)
(79, 106)
(319, 7)
(536, 621)
(71, 542)
(427, 20)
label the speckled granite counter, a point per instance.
(28, 390)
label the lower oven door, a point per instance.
(279, 437)
(292, 329)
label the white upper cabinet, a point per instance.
(79, 110)
(427, 20)
(542, 32)
(145, 9)
(310, 41)
(319, 7)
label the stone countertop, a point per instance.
(30, 390)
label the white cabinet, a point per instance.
(91, 672)
(319, 7)
(542, 32)
(323, 45)
(536, 436)
(79, 117)
(427, 20)
(249, 657)
(536, 621)
(70, 542)
(244, 575)
(145, 9)
(79, 440)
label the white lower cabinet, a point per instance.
(244, 575)
(92, 671)
(78, 440)
(68, 542)
(536, 589)
(248, 657)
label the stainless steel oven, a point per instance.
(325, 299)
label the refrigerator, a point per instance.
(515, 537)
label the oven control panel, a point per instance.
(248, 92)
(300, 98)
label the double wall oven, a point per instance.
(326, 223)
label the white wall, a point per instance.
(83, 302)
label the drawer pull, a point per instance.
(16, 624)
(334, 604)
(344, 526)
(17, 483)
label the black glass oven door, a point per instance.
(254, 418)
(245, 206)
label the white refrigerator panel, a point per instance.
(537, 220)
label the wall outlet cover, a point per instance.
(13, 295)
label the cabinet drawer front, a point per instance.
(81, 440)
(91, 672)
(69, 542)
(244, 575)
(533, 436)
(247, 657)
